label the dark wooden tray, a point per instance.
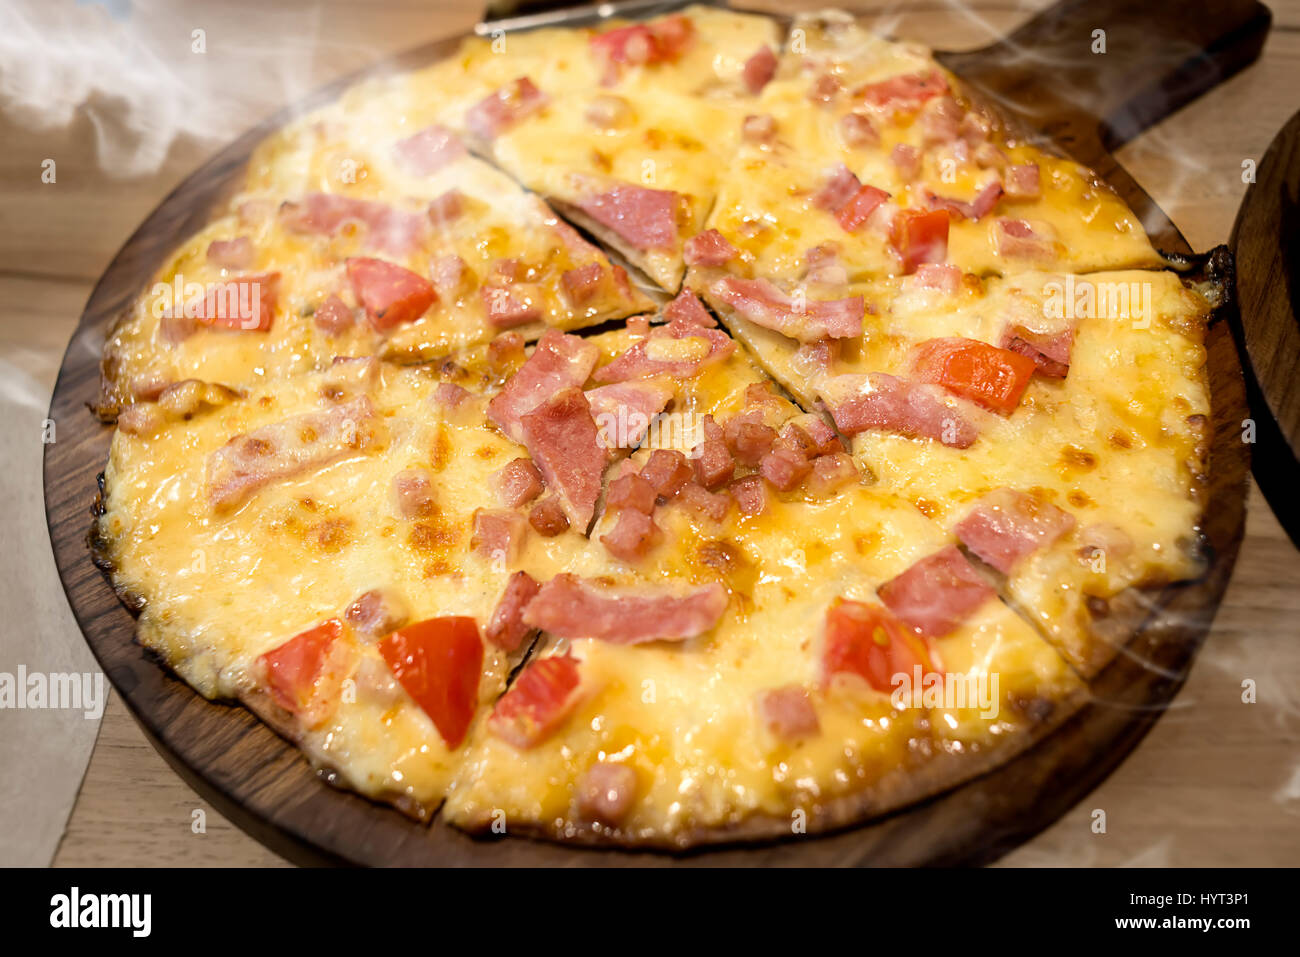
(1044, 74)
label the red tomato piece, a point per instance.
(920, 236)
(543, 695)
(995, 378)
(306, 673)
(868, 641)
(853, 214)
(390, 293)
(439, 662)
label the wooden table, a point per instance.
(1217, 782)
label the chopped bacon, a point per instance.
(645, 218)
(681, 349)
(749, 440)
(941, 276)
(750, 495)
(446, 208)
(995, 378)
(562, 438)
(333, 316)
(713, 463)
(866, 640)
(758, 128)
(937, 593)
(1018, 239)
(698, 499)
(234, 253)
(632, 535)
(547, 517)
(784, 469)
(507, 629)
(708, 248)
(806, 320)
(759, 69)
(571, 607)
(903, 92)
(623, 411)
(515, 304)
(305, 675)
(853, 215)
(244, 303)
(907, 160)
(1051, 353)
(881, 401)
(450, 275)
(559, 361)
(831, 472)
(541, 698)
(1023, 181)
(606, 792)
(498, 534)
(582, 283)
(518, 483)
(288, 448)
(1006, 525)
(497, 112)
(391, 294)
(390, 230)
(429, 150)
(919, 237)
(788, 712)
(977, 208)
(688, 309)
(631, 491)
(667, 470)
(857, 131)
(413, 493)
(377, 612)
(840, 186)
(440, 663)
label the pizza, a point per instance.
(655, 434)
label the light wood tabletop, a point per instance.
(1217, 782)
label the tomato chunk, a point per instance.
(305, 674)
(439, 662)
(543, 695)
(853, 215)
(865, 639)
(920, 236)
(246, 303)
(995, 378)
(390, 293)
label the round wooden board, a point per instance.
(262, 783)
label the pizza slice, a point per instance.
(360, 230)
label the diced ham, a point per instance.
(515, 304)
(667, 470)
(547, 517)
(498, 534)
(877, 400)
(818, 431)
(290, 447)
(940, 121)
(632, 536)
(759, 69)
(562, 438)
(631, 491)
(784, 469)
(453, 401)
(623, 411)
(1050, 352)
(234, 253)
(944, 277)
(644, 218)
(681, 349)
(378, 612)
(507, 629)
(1018, 239)
(413, 493)
(607, 792)
(788, 712)
(749, 440)
(1023, 181)
(450, 276)
(713, 463)
(426, 152)
(750, 495)
(791, 437)
(977, 208)
(857, 131)
(988, 156)
(571, 607)
(688, 309)
(708, 248)
(806, 320)
(758, 128)
(244, 303)
(446, 208)
(543, 695)
(935, 595)
(825, 88)
(907, 160)
(642, 44)
(831, 472)
(902, 92)
(696, 498)
(333, 316)
(559, 361)
(1006, 525)
(840, 186)
(506, 352)
(388, 229)
(517, 483)
(499, 111)
(391, 294)
(582, 283)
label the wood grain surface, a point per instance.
(103, 824)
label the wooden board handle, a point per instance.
(1158, 56)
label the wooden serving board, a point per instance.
(262, 783)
